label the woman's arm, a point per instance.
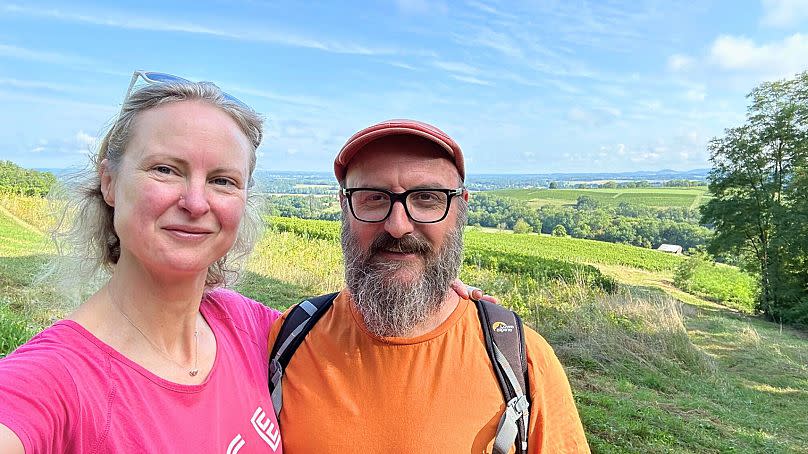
(10, 442)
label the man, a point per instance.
(398, 364)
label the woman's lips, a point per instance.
(187, 231)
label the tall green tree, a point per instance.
(758, 195)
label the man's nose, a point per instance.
(398, 223)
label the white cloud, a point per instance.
(471, 80)
(23, 53)
(488, 9)
(38, 150)
(784, 13)
(265, 34)
(309, 101)
(646, 156)
(457, 67)
(401, 65)
(86, 140)
(679, 62)
(695, 94)
(775, 59)
(498, 41)
(33, 84)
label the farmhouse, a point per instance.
(670, 248)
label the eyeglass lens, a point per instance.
(422, 206)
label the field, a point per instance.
(650, 197)
(653, 369)
(543, 256)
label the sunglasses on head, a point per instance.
(152, 77)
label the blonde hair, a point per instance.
(85, 234)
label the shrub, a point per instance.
(717, 282)
(559, 230)
(521, 227)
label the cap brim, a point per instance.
(394, 127)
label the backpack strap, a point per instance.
(297, 324)
(504, 337)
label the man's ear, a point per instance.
(466, 195)
(107, 182)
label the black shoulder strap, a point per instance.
(297, 324)
(504, 337)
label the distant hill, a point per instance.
(305, 182)
(302, 182)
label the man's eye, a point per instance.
(166, 170)
(426, 197)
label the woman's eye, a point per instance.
(222, 181)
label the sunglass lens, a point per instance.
(163, 77)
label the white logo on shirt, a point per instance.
(266, 429)
(236, 445)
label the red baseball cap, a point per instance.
(391, 127)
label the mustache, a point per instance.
(407, 244)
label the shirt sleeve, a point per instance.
(555, 425)
(37, 399)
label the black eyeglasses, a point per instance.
(425, 206)
(152, 77)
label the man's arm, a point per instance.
(10, 442)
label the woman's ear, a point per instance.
(107, 182)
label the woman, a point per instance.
(156, 360)
(160, 359)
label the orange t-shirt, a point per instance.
(346, 390)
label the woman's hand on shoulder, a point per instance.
(469, 292)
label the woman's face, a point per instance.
(180, 190)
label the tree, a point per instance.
(553, 185)
(586, 202)
(756, 183)
(559, 230)
(521, 227)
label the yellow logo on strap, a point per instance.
(501, 327)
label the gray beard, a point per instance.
(392, 307)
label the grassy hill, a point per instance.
(653, 369)
(650, 197)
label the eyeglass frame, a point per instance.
(145, 75)
(402, 197)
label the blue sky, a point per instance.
(523, 86)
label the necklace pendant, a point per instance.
(193, 372)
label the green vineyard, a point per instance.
(649, 197)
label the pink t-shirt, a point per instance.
(65, 391)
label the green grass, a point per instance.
(18, 237)
(650, 197)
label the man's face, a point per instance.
(399, 270)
